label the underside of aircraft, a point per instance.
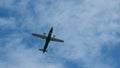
(48, 38)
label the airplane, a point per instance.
(48, 38)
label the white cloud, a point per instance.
(19, 56)
(85, 27)
(5, 3)
(8, 22)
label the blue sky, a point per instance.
(90, 30)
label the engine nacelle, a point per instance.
(53, 36)
(44, 33)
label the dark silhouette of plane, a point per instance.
(48, 38)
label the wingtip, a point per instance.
(33, 33)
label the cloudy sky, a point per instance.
(90, 29)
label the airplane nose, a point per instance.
(51, 29)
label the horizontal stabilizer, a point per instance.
(42, 50)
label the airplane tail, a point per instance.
(42, 50)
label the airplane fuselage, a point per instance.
(48, 40)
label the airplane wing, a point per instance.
(57, 40)
(39, 35)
